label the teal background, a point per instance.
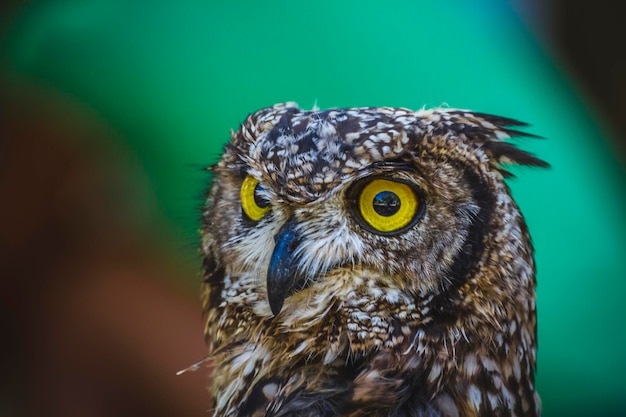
(172, 78)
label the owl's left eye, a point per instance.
(253, 202)
(386, 206)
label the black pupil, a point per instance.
(258, 197)
(386, 203)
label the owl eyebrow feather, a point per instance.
(391, 163)
(507, 152)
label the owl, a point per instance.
(369, 262)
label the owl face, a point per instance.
(403, 197)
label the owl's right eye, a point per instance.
(254, 204)
(386, 206)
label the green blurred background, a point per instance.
(111, 108)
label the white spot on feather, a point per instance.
(270, 390)
(475, 397)
(471, 365)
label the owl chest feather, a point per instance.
(362, 350)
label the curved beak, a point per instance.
(282, 277)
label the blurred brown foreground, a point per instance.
(96, 313)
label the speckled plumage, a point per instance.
(438, 320)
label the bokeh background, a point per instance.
(109, 110)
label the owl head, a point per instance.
(411, 200)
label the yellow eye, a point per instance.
(254, 204)
(387, 206)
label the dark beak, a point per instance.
(282, 277)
